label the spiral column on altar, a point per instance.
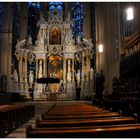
(44, 68)
(64, 69)
(72, 70)
(20, 73)
(20, 69)
(25, 70)
(36, 68)
(25, 75)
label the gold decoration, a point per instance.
(17, 54)
(31, 57)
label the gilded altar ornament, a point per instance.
(78, 56)
(17, 53)
(91, 53)
(54, 50)
(31, 57)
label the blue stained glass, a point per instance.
(52, 7)
(56, 5)
(59, 7)
(77, 12)
(29, 4)
(38, 5)
(1, 9)
(33, 17)
(34, 4)
(1, 14)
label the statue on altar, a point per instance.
(29, 41)
(78, 76)
(20, 43)
(69, 77)
(31, 77)
(91, 73)
(15, 75)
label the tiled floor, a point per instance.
(39, 108)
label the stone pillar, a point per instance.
(25, 74)
(64, 69)
(6, 42)
(44, 68)
(72, 70)
(20, 70)
(36, 68)
(20, 73)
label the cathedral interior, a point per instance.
(68, 69)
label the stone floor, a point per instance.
(40, 107)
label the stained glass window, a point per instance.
(56, 5)
(1, 14)
(77, 26)
(33, 17)
(34, 5)
(1, 17)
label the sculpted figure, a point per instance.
(20, 43)
(91, 73)
(31, 77)
(15, 75)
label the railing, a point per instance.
(130, 28)
(20, 87)
(131, 41)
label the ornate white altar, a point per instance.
(54, 55)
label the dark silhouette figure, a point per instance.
(97, 86)
(100, 79)
(78, 90)
(31, 94)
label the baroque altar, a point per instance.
(55, 55)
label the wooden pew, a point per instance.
(7, 114)
(82, 121)
(87, 122)
(76, 112)
(2, 128)
(78, 116)
(78, 107)
(18, 114)
(113, 131)
(12, 116)
(71, 109)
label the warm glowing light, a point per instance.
(100, 48)
(129, 14)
